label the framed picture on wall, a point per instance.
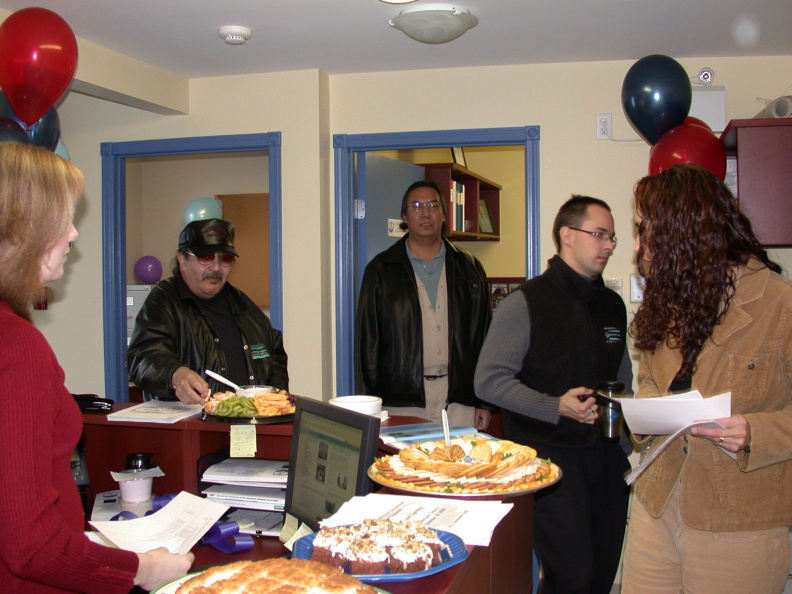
(458, 156)
(499, 287)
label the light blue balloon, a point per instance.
(203, 208)
(62, 151)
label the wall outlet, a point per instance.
(637, 286)
(604, 126)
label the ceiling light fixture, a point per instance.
(234, 35)
(434, 23)
(398, 1)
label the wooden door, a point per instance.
(250, 215)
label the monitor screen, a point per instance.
(331, 451)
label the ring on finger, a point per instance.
(721, 440)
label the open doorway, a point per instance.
(114, 230)
(350, 179)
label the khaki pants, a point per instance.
(666, 555)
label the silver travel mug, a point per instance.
(610, 413)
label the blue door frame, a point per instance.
(345, 147)
(114, 156)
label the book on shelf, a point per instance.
(460, 207)
(249, 472)
(157, 411)
(247, 497)
(452, 199)
(403, 436)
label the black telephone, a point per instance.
(79, 467)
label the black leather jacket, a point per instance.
(388, 331)
(171, 332)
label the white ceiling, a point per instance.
(345, 36)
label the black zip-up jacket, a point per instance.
(171, 332)
(578, 338)
(389, 335)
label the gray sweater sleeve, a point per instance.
(501, 358)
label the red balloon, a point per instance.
(691, 121)
(38, 58)
(688, 144)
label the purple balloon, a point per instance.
(148, 270)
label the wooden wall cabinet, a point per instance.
(763, 148)
(478, 191)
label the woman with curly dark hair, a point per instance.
(711, 513)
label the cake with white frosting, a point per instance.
(377, 546)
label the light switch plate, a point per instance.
(393, 228)
(615, 284)
(637, 286)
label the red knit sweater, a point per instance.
(42, 544)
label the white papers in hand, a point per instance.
(177, 526)
(636, 472)
(667, 414)
(672, 415)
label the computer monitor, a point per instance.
(331, 451)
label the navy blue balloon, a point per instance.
(45, 132)
(10, 131)
(656, 96)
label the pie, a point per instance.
(274, 576)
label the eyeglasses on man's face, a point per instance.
(599, 235)
(225, 259)
(417, 206)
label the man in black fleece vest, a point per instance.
(551, 343)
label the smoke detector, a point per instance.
(234, 35)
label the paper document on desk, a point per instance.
(157, 411)
(472, 521)
(177, 526)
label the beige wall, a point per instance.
(308, 107)
(159, 189)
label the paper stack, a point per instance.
(402, 436)
(251, 484)
(157, 411)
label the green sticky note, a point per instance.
(243, 441)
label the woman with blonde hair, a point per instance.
(43, 547)
(711, 513)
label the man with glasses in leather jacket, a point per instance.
(422, 315)
(195, 320)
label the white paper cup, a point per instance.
(135, 490)
(138, 508)
(367, 405)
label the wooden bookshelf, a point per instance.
(477, 190)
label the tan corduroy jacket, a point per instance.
(749, 354)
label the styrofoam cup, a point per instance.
(367, 405)
(136, 490)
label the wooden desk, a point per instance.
(501, 568)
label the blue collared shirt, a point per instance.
(429, 272)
